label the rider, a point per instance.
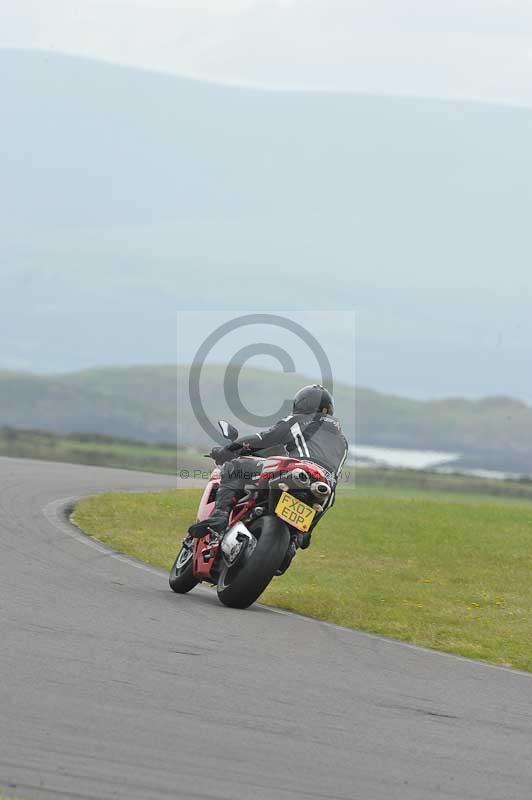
(311, 432)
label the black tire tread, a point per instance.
(267, 557)
(184, 581)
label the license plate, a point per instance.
(296, 513)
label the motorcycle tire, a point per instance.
(181, 577)
(240, 585)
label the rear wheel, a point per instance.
(240, 585)
(181, 577)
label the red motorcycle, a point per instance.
(265, 528)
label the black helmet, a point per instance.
(313, 399)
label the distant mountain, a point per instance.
(152, 404)
(129, 195)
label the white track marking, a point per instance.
(55, 514)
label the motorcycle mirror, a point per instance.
(228, 431)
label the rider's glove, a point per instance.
(221, 454)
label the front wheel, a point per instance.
(240, 585)
(181, 577)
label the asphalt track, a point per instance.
(114, 687)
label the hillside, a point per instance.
(151, 404)
(129, 195)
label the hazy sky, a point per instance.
(477, 49)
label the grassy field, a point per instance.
(101, 451)
(151, 403)
(107, 451)
(410, 480)
(434, 570)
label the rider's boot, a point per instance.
(305, 540)
(217, 522)
(302, 541)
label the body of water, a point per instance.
(436, 461)
(395, 457)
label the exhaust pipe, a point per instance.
(300, 478)
(320, 489)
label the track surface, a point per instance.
(114, 687)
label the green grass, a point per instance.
(420, 482)
(107, 451)
(444, 574)
(102, 451)
(150, 402)
(457, 492)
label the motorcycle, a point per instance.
(267, 525)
